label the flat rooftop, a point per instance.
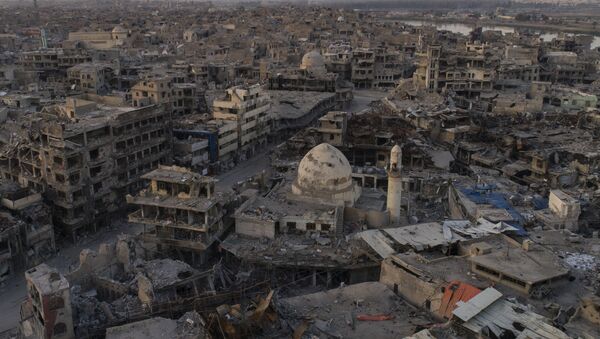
(295, 104)
(334, 312)
(297, 251)
(177, 175)
(532, 266)
(445, 269)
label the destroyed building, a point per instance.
(344, 171)
(247, 108)
(313, 76)
(47, 312)
(181, 210)
(120, 284)
(86, 154)
(27, 236)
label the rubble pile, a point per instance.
(299, 170)
(164, 272)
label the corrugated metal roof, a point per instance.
(480, 229)
(466, 311)
(378, 242)
(455, 292)
(421, 236)
(503, 316)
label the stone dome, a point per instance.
(326, 174)
(313, 62)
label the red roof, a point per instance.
(454, 292)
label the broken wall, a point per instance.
(373, 218)
(122, 253)
(419, 290)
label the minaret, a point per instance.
(36, 13)
(394, 191)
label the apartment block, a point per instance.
(466, 72)
(89, 152)
(92, 78)
(248, 107)
(180, 209)
(183, 98)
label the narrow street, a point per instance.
(245, 170)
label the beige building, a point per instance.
(183, 98)
(91, 77)
(332, 128)
(464, 71)
(151, 92)
(180, 209)
(248, 107)
(562, 213)
(376, 67)
(117, 37)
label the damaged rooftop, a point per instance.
(305, 169)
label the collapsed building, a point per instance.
(27, 235)
(86, 154)
(455, 197)
(120, 284)
(313, 76)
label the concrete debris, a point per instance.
(299, 170)
(581, 261)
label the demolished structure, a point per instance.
(292, 170)
(181, 210)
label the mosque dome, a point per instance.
(313, 62)
(119, 29)
(326, 174)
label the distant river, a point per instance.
(466, 29)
